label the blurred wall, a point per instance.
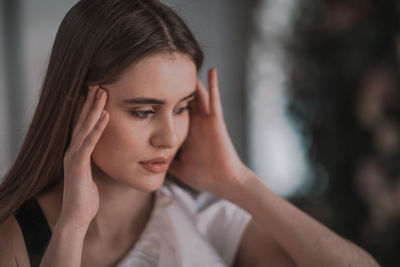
(4, 115)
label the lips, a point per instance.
(156, 165)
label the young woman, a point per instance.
(121, 106)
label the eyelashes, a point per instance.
(147, 114)
(142, 114)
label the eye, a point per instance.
(182, 109)
(142, 114)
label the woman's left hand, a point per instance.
(208, 160)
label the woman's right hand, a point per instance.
(81, 196)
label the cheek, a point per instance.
(120, 140)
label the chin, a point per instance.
(148, 184)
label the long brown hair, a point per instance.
(96, 41)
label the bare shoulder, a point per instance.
(258, 248)
(12, 246)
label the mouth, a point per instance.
(157, 165)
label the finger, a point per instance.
(93, 137)
(215, 99)
(90, 97)
(93, 116)
(202, 98)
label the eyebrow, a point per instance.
(145, 100)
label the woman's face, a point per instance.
(148, 119)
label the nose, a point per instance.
(165, 135)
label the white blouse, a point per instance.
(188, 231)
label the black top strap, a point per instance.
(35, 229)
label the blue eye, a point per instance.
(142, 114)
(146, 114)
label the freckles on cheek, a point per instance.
(125, 133)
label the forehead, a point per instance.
(157, 75)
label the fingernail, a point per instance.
(99, 93)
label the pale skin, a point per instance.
(89, 215)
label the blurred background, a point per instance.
(310, 91)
